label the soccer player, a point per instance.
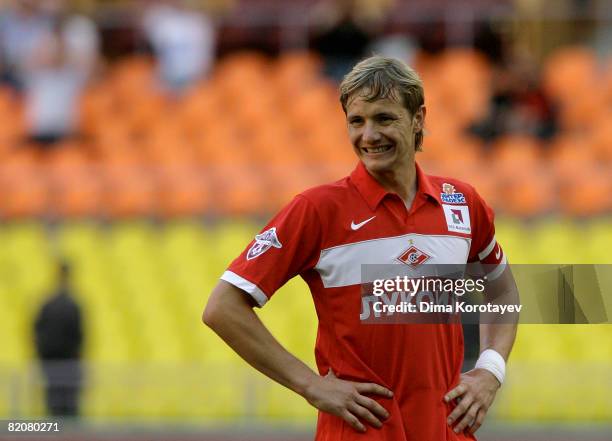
(396, 382)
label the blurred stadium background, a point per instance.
(165, 177)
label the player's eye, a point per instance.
(355, 121)
(385, 119)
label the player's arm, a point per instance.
(478, 387)
(229, 313)
(500, 336)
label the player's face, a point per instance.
(382, 132)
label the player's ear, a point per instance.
(419, 119)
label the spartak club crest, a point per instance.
(413, 257)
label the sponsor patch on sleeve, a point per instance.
(263, 242)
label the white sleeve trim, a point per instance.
(499, 269)
(484, 253)
(240, 282)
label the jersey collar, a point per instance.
(373, 192)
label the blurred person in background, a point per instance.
(24, 25)
(518, 104)
(404, 380)
(55, 75)
(80, 36)
(183, 41)
(59, 339)
(343, 31)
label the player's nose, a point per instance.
(371, 135)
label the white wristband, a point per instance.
(493, 362)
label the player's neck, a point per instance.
(403, 182)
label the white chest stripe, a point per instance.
(341, 265)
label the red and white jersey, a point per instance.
(324, 235)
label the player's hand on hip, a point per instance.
(474, 395)
(348, 400)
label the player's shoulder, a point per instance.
(326, 194)
(454, 191)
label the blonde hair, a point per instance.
(380, 77)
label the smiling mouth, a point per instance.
(381, 149)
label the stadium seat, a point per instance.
(132, 78)
(512, 153)
(602, 138)
(570, 155)
(587, 193)
(461, 77)
(129, 192)
(528, 195)
(582, 112)
(23, 186)
(75, 184)
(183, 191)
(295, 72)
(570, 73)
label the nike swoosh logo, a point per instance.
(497, 253)
(355, 226)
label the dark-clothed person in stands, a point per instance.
(59, 339)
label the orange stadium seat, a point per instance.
(144, 112)
(78, 193)
(131, 156)
(240, 191)
(528, 195)
(570, 73)
(461, 78)
(425, 64)
(287, 183)
(448, 151)
(607, 78)
(240, 65)
(513, 154)
(198, 109)
(23, 186)
(570, 155)
(310, 109)
(175, 151)
(330, 147)
(129, 191)
(76, 187)
(167, 143)
(602, 137)
(96, 106)
(583, 111)
(587, 193)
(184, 191)
(273, 145)
(132, 77)
(256, 110)
(241, 74)
(486, 184)
(222, 145)
(295, 72)
(114, 135)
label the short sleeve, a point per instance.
(485, 248)
(287, 246)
